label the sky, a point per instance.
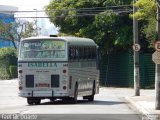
(26, 4)
(29, 5)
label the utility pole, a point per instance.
(136, 53)
(157, 69)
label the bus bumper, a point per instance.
(42, 94)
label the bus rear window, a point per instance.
(42, 49)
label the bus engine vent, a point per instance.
(54, 80)
(29, 81)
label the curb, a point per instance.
(146, 114)
(137, 106)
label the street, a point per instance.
(109, 103)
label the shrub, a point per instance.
(13, 71)
(8, 57)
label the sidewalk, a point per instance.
(145, 104)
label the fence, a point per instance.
(117, 70)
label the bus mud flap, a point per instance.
(52, 93)
(32, 93)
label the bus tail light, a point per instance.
(20, 87)
(64, 71)
(64, 87)
(20, 71)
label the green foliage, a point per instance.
(13, 71)
(7, 51)
(8, 57)
(147, 14)
(146, 9)
(79, 18)
(149, 30)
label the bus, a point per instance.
(58, 68)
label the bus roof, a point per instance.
(70, 40)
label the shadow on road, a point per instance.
(83, 102)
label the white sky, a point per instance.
(29, 5)
(26, 4)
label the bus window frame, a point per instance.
(88, 53)
(28, 58)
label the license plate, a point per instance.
(42, 85)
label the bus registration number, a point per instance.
(42, 85)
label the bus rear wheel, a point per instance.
(37, 101)
(32, 101)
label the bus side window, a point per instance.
(71, 53)
(86, 52)
(97, 58)
(76, 53)
(89, 52)
(93, 52)
(81, 53)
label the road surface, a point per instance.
(109, 103)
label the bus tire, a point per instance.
(30, 101)
(74, 99)
(52, 100)
(37, 101)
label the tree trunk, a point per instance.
(14, 45)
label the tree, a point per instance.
(17, 30)
(147, 14)
(146, 9)
(93, 19)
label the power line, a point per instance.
(76, 9)
(77, 15)
(80, 12)
(71, 16)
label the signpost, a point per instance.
(156, 54)
(156, 60)
(136, 47)
(156, 57)
(157, 46)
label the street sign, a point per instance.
(156, 57)
(136, 47)
(157, 45)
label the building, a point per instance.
(6, 16)
(46, 28)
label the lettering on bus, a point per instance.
(42, 64)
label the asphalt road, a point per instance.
(109, 104)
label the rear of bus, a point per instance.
(42, 69)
